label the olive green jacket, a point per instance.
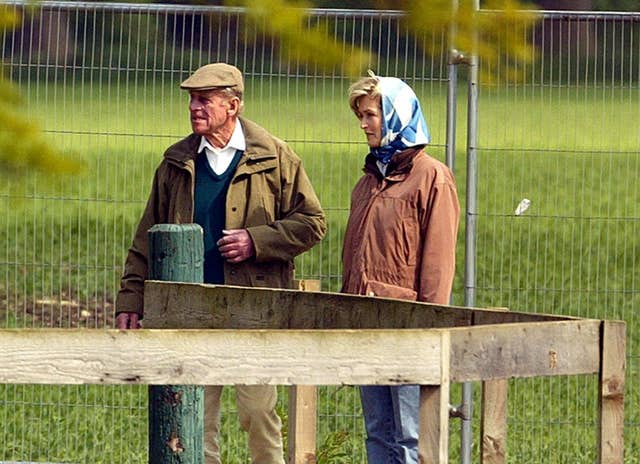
(270, 195)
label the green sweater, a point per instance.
(209, 211)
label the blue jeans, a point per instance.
(391, 418)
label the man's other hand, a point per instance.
(128, 321)
(236, 245)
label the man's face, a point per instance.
(211, 111)
(370, 115)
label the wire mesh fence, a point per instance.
(102, 82)
(566, 140)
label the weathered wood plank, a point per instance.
(525, 350)
(490, 316)
(172, 304)
(303, 401)
(494, 421)
(433, 441)
(611, 393)
(223, 357)
(303, 408)
(308, 285)
(226, 307)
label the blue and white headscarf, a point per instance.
(403, 124)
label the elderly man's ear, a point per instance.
(234, 106)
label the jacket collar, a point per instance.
(259, 145)
(184, 151)
(399, 166)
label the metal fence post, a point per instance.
(466, 437)
(176, 412)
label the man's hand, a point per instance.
(128, 321)
(236, 245)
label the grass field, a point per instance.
(572, 151)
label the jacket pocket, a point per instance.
(382, 289)
(275, 274)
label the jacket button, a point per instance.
(372, 294)
(234, 209)
(233, 272)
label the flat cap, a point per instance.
(215, 75)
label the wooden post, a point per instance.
(433, 439)
(176, 412)
(303, 409)
(303, 406)
(611, 393)
(494, 421)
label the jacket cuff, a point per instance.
(128, 302)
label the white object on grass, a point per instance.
(522, 206)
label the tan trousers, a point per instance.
(258, 417)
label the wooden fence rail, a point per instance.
(235, 335)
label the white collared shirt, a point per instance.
(220, 158)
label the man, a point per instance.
(249, 192)
(399, 242)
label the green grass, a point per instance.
(572, 151)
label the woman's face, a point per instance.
(370, 115)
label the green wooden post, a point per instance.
(176, 412)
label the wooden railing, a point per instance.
(221, 335)
(197, 334)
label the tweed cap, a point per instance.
(215, 75)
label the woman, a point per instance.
(399, 242)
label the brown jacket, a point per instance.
(270, 195)
(401, 234)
